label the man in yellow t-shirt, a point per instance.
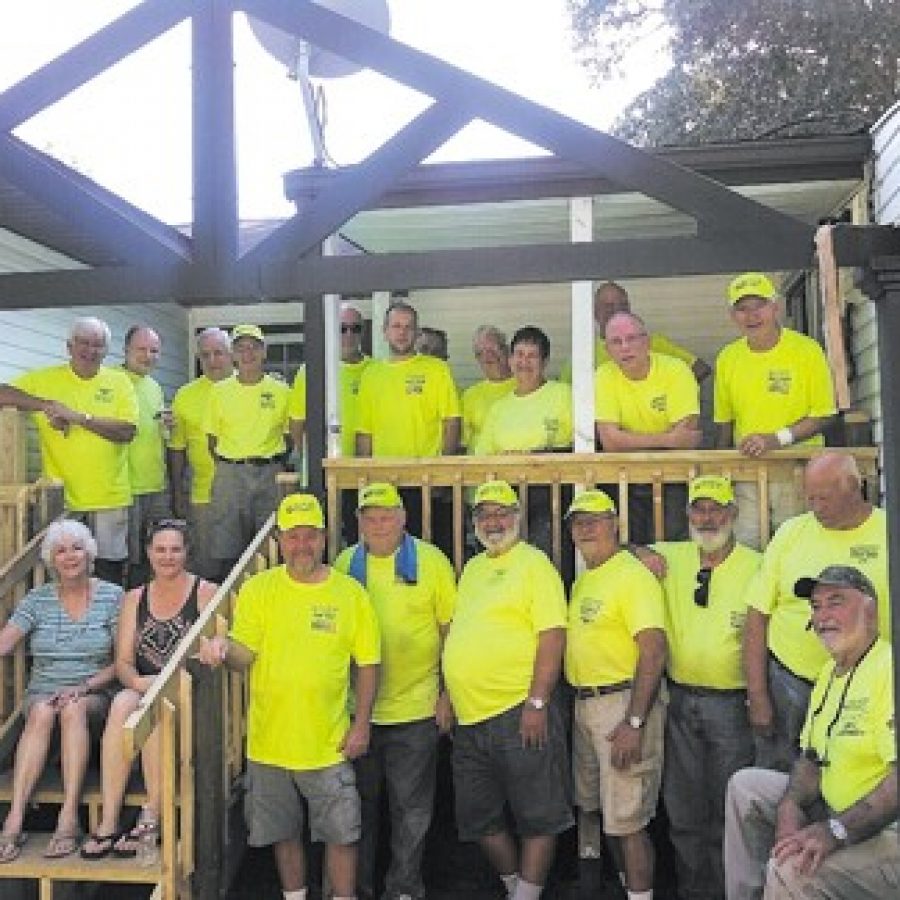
(829, 828)
(615, 656)
(408, 404)
(502, 660)
(708, 736)
(90, 453)
(782, 658)
(611, 298)
(413, 589)
(353, 363)
(645, 401)
(189, 447)
(246, 424)
(492, 353)
(773, 388)
(300, 740)
(146, 453)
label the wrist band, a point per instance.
(785, 437)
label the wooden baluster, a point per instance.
(186, 771)
(426, 507)
(556, 521)
(658, 511)
(624, 517)
(459, 527)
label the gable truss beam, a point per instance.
(359, 186)
(715, 209)
(129, 233)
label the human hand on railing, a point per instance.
(758, 444)
(212, 651)
(356, 740)
(684, 435)
(443, 713)
(60, 416)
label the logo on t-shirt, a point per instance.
(590, 609)
(864, 553)
(324, 619)
(779, 381)
(660, 403)
(267, 400)
(104, 395)
(737, 619)
(415, 384)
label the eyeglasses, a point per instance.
(701, 591)
(351, 327)
(167, 524)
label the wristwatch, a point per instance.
(636, 722)
(838, 830)
(536, 702)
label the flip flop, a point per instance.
(11, 846)
(103, 842)
(63, 843)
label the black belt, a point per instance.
(584, 693)
(703, 691)
(253, 460)
(789, 671)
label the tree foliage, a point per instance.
(744, 69)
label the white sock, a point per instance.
(509, 882)
(640, 895)
(525, 890)
(622, 879)
(295, 895)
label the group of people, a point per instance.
(670, 669)
(643, 683)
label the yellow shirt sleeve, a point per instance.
(297, 399)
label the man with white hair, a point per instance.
(827, 830)
(189, 448)
(502, 660)
(707, 736)
(782, 658)
(492, 353)
(90, 455)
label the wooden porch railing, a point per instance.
(456, 474)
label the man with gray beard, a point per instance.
(708, 735)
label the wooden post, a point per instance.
(13, 447)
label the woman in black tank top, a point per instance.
(153, 620)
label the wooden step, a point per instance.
(32, 864)
(50, 789)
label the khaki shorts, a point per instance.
(627, 798)
(273, 805)
(110, 530)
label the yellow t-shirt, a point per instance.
(705, 642)
(146, 453)
(862, 747)
(502, 606)
(541, 420)
(248, 419)
(188, 433)
(764, 392)
(93, 469)
(403, 405)
(409, 616)
(610, 605)
(659, 343)
(351, 375)
(477, 401)
(652, 405)
(801, 548)
(304, 637)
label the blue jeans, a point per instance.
(708, 739)
(790, 699)
(402, 759)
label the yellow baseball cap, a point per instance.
(750, 284)
(298, 511)
(250, 331)
(593, 502)
(711, 487)
(498, 492)
(380, 494)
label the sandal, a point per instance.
(62, 844)
(126, 847)
(11, 846)
(103, 845)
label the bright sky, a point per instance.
(130, 128)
